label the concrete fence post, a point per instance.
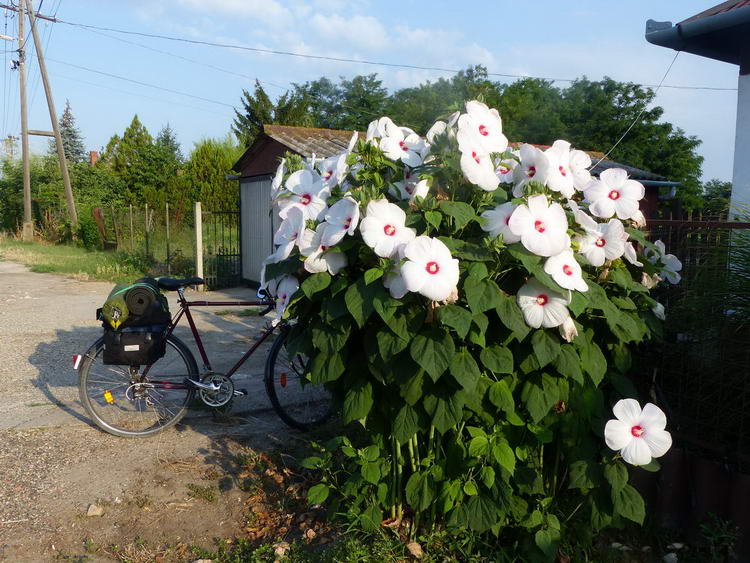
(199, 242)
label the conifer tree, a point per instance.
(72, 140)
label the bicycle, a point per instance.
(136, 401)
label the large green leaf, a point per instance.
(592, 359)
(501, 397)
(629, 503)
(568, 363)
(331, 337)
(316, 283)
(412, 388)
(504, 455)
(445, 413)
(317, 494)
(479, 514)
(584, 474)
(466, 250)
(371, 472)
(539, 394)
(482, 295)
(478, 446)
(420, 490)
(462, 213)
(455, 317)
(406, 424)
(370, 518)
(360, 300)
(278, 269)
(385, 305)
(529, 260)
(433, 350)
(546, 347)
(497, 359)
(545, 540)
(464, 369)
(389, 344)
(511, 316)
(325, 368)
(616, 475)
(357, 402)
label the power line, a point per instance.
(350, 60)
(640, 113)
(140, 82)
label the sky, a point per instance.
(544, 38)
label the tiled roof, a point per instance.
(719, 9)
(309, 140)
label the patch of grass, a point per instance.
(142, 501)
(207, 493)
(72, 260)
(242, 313)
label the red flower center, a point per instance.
(348, 223)
(502, 169)
(614, 195)
(531, 172)
(483, 131)
(323, 247)
(475, 157)
(600, 242)
(327, 174)
(637, 431)
(567, 270)
(563, 171)
(540, 226)
(403, 146)
(432, 268)
(507, 220)
(305, 199)
(389, 230)
(542, 300)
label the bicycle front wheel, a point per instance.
(125, 401)
(298, 402)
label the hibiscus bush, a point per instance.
(473, 308)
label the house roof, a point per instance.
(309, 140)
(328, 142)
(721, 33)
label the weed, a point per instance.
(207, 493)
(142, 501)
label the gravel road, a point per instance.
(52, 461)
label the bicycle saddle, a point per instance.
(173, 284)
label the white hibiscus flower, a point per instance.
(383, 228)
(479, 169)
(534, 166)
(542, 307)
(496, 222)
(289, 232)
(671, 265)
(604, 242)
(401, 143)
(308, 192)
(283, 289)
(333, 170)
(504, 169)
(429, 269)
(319, 257)
(278, 178)
(613, 194)
(639, 435)
(541, 226)
(410, 187)
(560, 178)
(484, 126)
(566, 271)
(342, 219)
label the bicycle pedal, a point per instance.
(240, 392)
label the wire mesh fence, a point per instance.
(702, 369)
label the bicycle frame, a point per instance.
(185, 311)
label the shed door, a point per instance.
(257, 225)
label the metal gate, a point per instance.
(222, 263)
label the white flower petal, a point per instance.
(637, 452)
(617, 434)
(628, 410)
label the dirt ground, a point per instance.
(158, 496)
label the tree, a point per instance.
(291, 108)
(166, 141)
(717, 194)
(72, 140)
(206, 170)
(531, 113)
(350, 105)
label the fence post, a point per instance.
(145, 230)
(169, 257)
(132, 239)
(199, 243)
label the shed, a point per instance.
(721, 33)
(256, 168)
(258, 164)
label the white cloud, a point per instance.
(357, 31)
(269, 12)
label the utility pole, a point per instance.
(28, 224)
(52, 114)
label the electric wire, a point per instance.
(350, 60)
(640, 113)
(5, 82)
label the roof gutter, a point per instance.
(676, 37)
(660, 183)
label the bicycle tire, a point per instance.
(85, 384)
(278, 387)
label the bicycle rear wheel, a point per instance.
(123, 401)
(298, 402)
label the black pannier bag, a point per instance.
(143, 314)
(134, 346)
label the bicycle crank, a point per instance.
(215, 390)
